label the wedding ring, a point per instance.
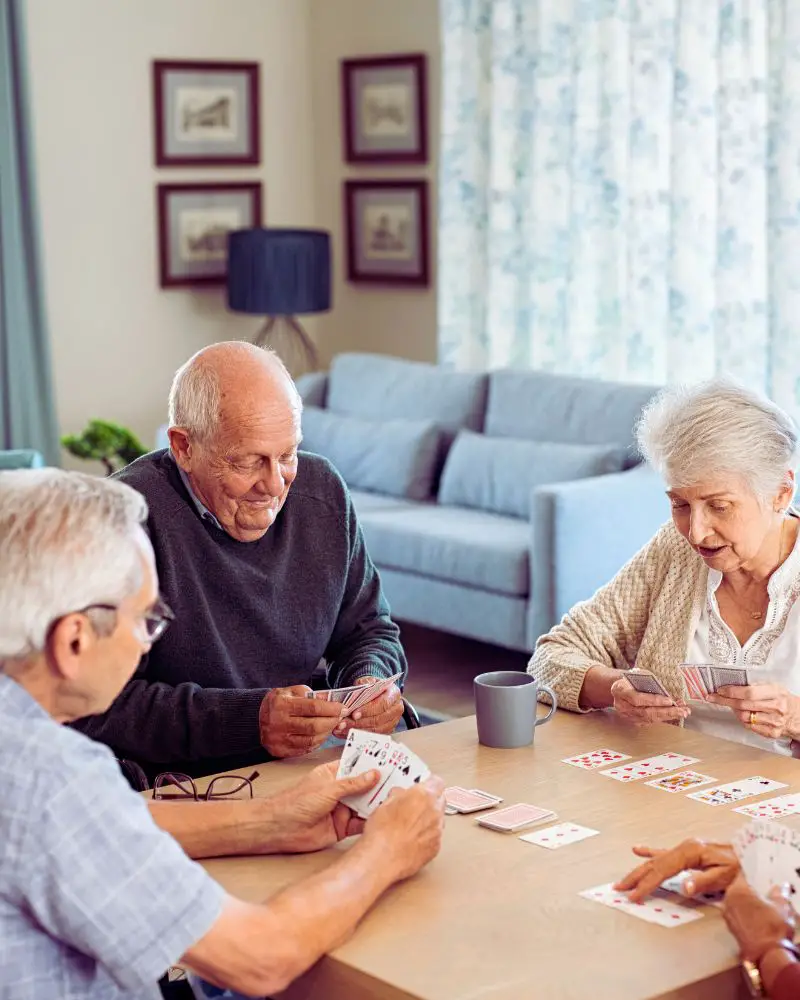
(752, 718)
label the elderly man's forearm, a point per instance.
(260, 950)
(596, 689)
(218, 829)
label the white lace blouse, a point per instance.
(771, 654)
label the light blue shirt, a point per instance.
(202, 510)
(96, 902)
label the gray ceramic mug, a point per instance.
(506, 703)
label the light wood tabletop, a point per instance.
(498, 919)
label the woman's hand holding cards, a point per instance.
(645, 709)
(768, 709)
(713, 866)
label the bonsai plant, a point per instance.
(105, 442)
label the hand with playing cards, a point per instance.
(713, 867)
(768, 709)
(378, 716)
(645, 709)
(758, 924)
(312, 815)
(292, 724)
(408, 827)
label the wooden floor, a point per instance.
(441, 668)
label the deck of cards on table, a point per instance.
(357, 695)
(397, 765)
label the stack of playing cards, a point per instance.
(357, 695)
(398, 768)
(516, 817)
(703, 679)
(769, 854)
(469, 800)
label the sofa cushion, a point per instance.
(545, 407)
(500, 474)
(378, 387)
(21, 458)
(396, 457)
(470, 547)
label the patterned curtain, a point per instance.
(620, 188)
(27, 411)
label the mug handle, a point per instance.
(553, 707)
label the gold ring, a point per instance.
(752, 718)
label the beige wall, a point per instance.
(386, 320)
(117, 337)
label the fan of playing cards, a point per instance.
(357, 695)
(397, 765)
(703, 679)
(769, 854)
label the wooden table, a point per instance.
(493, 918)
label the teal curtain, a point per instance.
(27, 410)
(620, 189)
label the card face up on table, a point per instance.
(654, 910)
(560, 835)
(650, 767)
(735, 791)
(596, 758)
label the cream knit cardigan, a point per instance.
(647, 616)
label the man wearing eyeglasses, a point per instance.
(96, 900)
(262, 558)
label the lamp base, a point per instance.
(286, 336)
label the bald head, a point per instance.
(227, 382)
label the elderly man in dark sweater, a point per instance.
(261, 557)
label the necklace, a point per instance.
(758, 615)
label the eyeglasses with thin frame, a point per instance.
(155, 621)
(173, 785)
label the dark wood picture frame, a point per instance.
(167, 279)
(418, 62)
(420, 278)
(250, 70)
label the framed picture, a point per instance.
(387, 231)
(384, 103)
(205, 113)
(193, 225)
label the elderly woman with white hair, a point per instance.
(717, 584)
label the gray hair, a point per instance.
(66, 543)
(195, 396)
(691, 433)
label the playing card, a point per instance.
(515, 817)
(464, 800)
(596, 758)
(695, 680)
(654, 910)
(735, 791)
(647, 683)
(782, 805)
(675, 885)
(397, 766)
(559, 836)
(769, 855)
(650, 767)
(725, 676)
(680, 782)
(363, 694)
(352, 751)
(487, 795)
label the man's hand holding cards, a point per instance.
(396, 765)
(376, 702)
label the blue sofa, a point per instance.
(490, 502)
(21, 458)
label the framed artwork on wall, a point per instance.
(206, 113)
(387, 232)
(193, 225)
(384, 104)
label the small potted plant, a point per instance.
(105, 442)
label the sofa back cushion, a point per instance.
(544, 407)
(373, 386)
(396, 457)
(500, 474)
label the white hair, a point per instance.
(195, 397)
(692, 433)
(67, 542)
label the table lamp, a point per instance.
(279, 273)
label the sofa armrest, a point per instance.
(313, 388)
(21, 458)
(583, 533)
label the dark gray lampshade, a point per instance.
(279, 272)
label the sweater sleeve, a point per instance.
(156, 722)
(365, 641)
(787, 983)
(604, 631)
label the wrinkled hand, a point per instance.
(408, 827)
(311, 813)
(716, 864)
(758, 924)
(776, 711)
(644, 709)
(292, 724)
(379, 716)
